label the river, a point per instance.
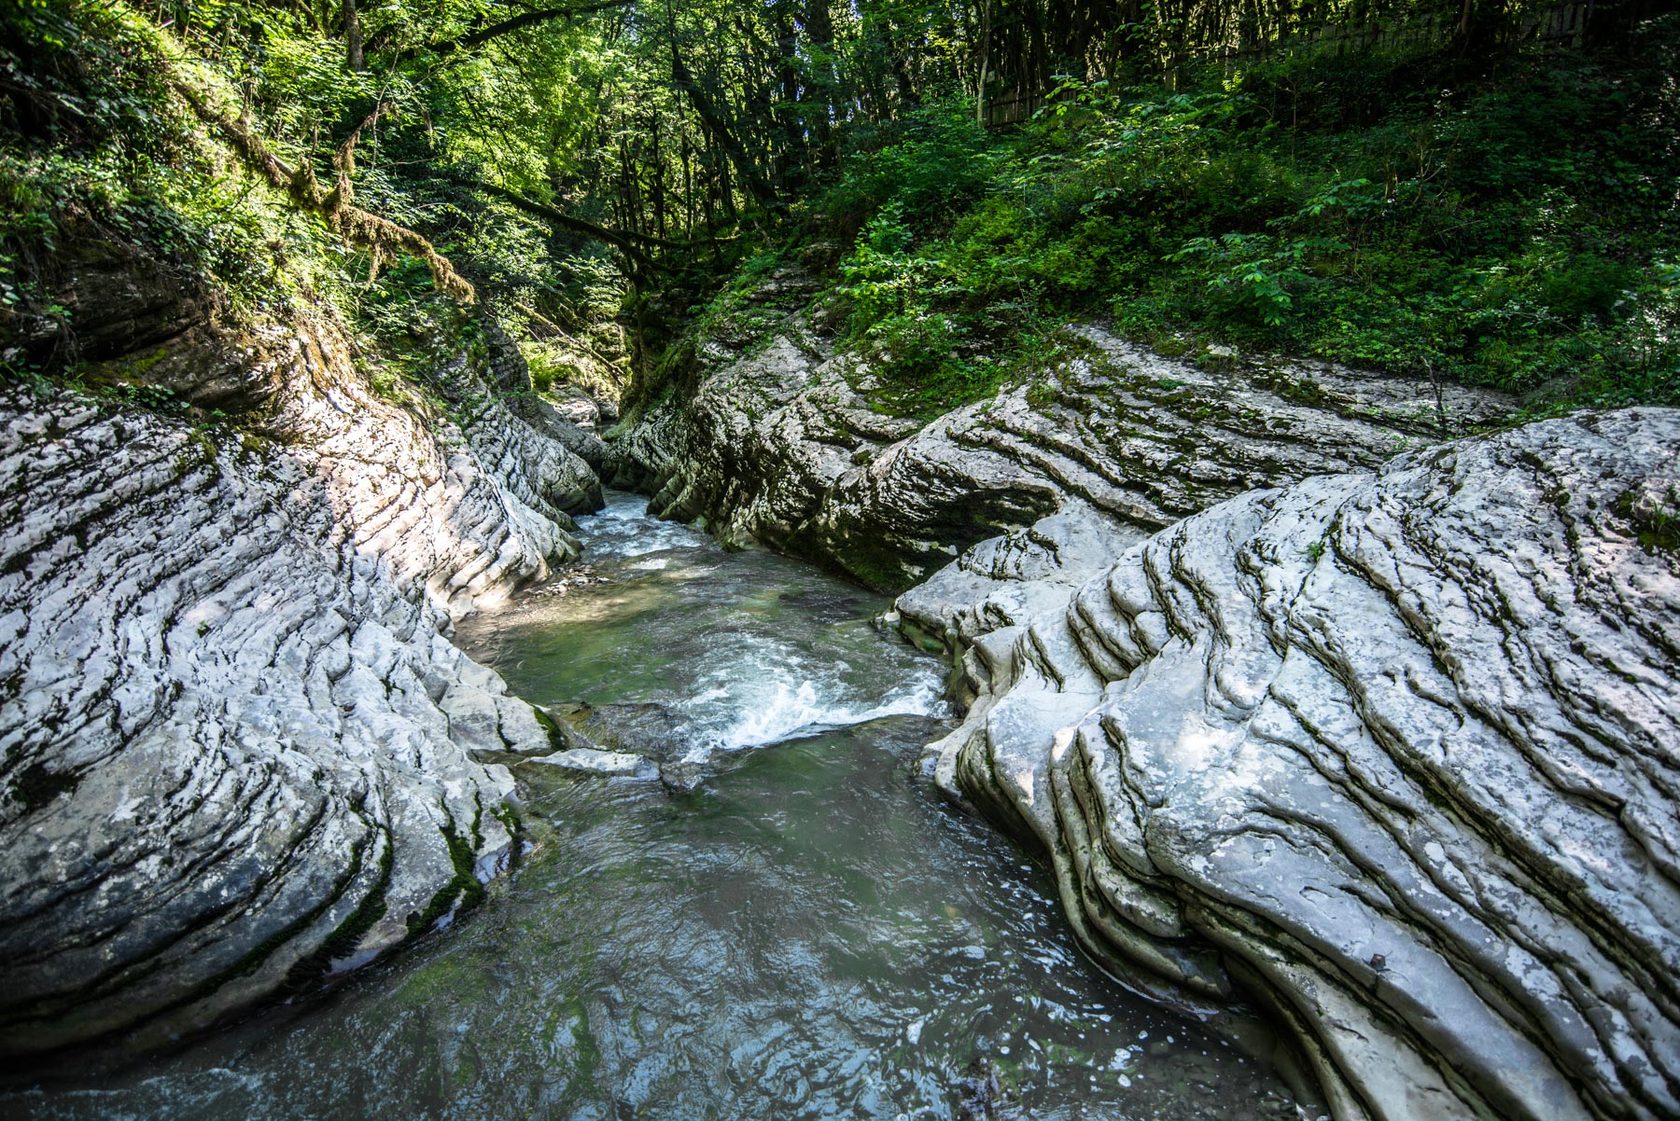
(791, 925)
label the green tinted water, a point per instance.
(808, 933)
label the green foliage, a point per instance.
(883, 279)
(1502, 218)
(903, 313)
(98, 155)
(927, 165)
(1253, 275)
(1361, 212)
(1655, 518)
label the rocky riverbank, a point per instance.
(1110, 442)
(1306, 708)
(1394, 752)
(1390, 750)
(237, 740)
(1000, 508)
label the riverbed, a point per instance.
(774, 916)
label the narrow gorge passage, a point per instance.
(792, 925)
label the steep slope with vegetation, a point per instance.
(1403, 193)
(1405, 213)
(1479, 192)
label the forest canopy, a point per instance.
(1483, 190)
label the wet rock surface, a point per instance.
(236, 741)
(1391, 752)
(1394, 752)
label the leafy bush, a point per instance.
(1396, 212)
(929, 164)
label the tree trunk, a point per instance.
(824, 81)
(790, 158)
(720, 133)
(353, 59)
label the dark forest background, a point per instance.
(1480, 190)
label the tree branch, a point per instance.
(483, 34)
(713, 123)
(625, 243)
(379, 236)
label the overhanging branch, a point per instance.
(484, 34)
(379, 236)
(559, 219)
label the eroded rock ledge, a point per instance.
(1105, 445)
(1397, 753)
(236, 743)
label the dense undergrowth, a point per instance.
(1508, 224)
(1506, 219)
(100, 153)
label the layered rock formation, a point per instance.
(1109, 442)
(236, 744)
(1396, 753)
(1391, 752)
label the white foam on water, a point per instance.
(767, 699)
(751, 689)
(623, 528)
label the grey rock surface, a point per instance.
(237, 747)
(571, 428)
(609, 764)
(1108, 443)
(1391, 751)
(1394, 753)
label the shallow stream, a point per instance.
(796, 927)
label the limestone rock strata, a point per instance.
(1109, 441)
(755, 451)
(236, 743)
(1397, 753)
(557, 417)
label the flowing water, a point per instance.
(795, 928)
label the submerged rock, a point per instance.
(1395, 753)
(981, 1096)
(236, 742)
(609, 764)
